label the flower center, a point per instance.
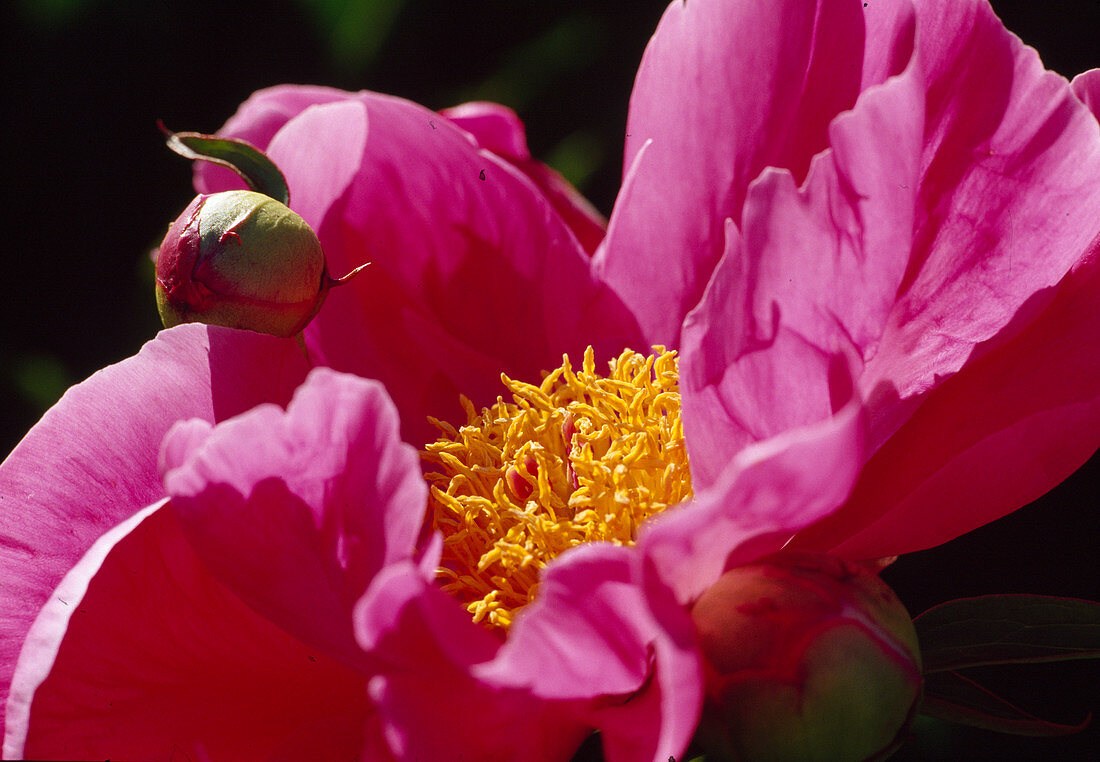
(578, 458)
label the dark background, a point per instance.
(88, 189)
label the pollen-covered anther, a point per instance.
(578, 458)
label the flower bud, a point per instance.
(243, 260)
(806, 657)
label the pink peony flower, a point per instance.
(872, 234)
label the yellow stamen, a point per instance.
(578, 458)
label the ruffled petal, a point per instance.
(430, 646)
(1009, 202)
(496, 128)
(91, 462)
(297, 511)
(999, 434)
(140, 654)
(724, 90)
(1086, 86)
(599, 637)
(984, 389)
(768, 492)
(469, 276)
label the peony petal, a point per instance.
(318, 178)
(596, 634)
(297, 511)
(469, 277)
(769, 491)
(813, 272)
(430, 645)
(496, 128)
(257, 120)
(1086, 86)
(140, 654)
(999, 434)
(724, 90)
(91, 461)
(1009, 201)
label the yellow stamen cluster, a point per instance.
(578, 458)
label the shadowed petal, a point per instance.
(999, 434)
(140, 654)
(1009, 202)
(296, 511)
(469, 276)
(430, 646)
(473, 269)
(768, 492)
(598, 634)
(496, 128)
(91, 461)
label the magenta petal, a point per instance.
(1086, 86)
(724, 90)
(596, 634)
(469, 276)
(141, 655)
(1002, 432)
(318, 178)
(297, 511)
(496, 128)
(493, 127)
(1008, 203)
(768, 492)
(257, 120)
(429, 645)
(91, 462)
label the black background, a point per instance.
(88, 189)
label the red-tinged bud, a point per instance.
(243, 260)
(807, 658)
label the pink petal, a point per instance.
(768, 492)
(999, 434)
(496, 128)
(430, 645)
(140, 654)
(724, 90)
(814, 272)
(297, 511)
(91, 461)
(257, 120)
(469, 277)
(1009, 201)
(597, 634)
(1086, 86)
(318, 178)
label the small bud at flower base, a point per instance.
(243, 260)
(806, 657)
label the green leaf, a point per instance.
(952, 697)
(1007, 629)
(246, 160)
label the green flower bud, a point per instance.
(806, 658)
(243, 260)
